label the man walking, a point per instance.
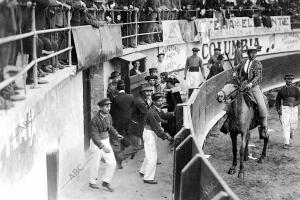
(194, 70)
(152, 130)
(101, 129)
(136, 123)
(121, 108)
(287, 101)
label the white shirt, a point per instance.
(247, 66)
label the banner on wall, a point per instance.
(94, 46)
(171, 32)
(240, 26)
(287, 41)
(175, 57)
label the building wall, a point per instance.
(50, 120)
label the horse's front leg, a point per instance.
(233, 137)
(264, 152)
(246, 154)
(242, 153)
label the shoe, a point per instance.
(285, 146)
(150, 181)
(141, 174)
(94, 186)
(158, 163)
(119, 165)
(107, 185)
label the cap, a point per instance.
(195, 49)
(114, 74)
(160, 54)
(152, 70)
(147, 78)
(217, 49)
(145, 87)
(220, 57)
(103, 102)
(156, 96)
(289, 76)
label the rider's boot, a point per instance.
(263, 130)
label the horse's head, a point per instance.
(226, 93)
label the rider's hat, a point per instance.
(253, 48)
(289, 76)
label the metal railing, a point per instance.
(34, 34)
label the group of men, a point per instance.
(124, 125)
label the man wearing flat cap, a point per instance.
(151, 131)
(112, 86)
(194, 70)
(214, 58)
(250, 70)
(136, 123)
(216, 67)
(160, 64)
(287, 101)
(152, 80)
(101, 130)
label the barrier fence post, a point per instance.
(52, 159)
(182, 155)
(190, 180)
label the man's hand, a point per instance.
(249, 85)
(234, 74)
(105, 149)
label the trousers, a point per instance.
(194, 79)
(135, 143)
(110, 162)
(259, 97)
(148, 167)
(289, 120)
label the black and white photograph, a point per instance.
(149, 99)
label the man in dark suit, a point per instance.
(137, 120)
(121, 108)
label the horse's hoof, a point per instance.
(246, 158)
(241, 175)
(231, 171)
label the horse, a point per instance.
(241, 119)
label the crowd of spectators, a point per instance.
(15, 18)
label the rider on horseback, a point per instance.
(250, 71)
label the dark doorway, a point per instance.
(86, 106)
